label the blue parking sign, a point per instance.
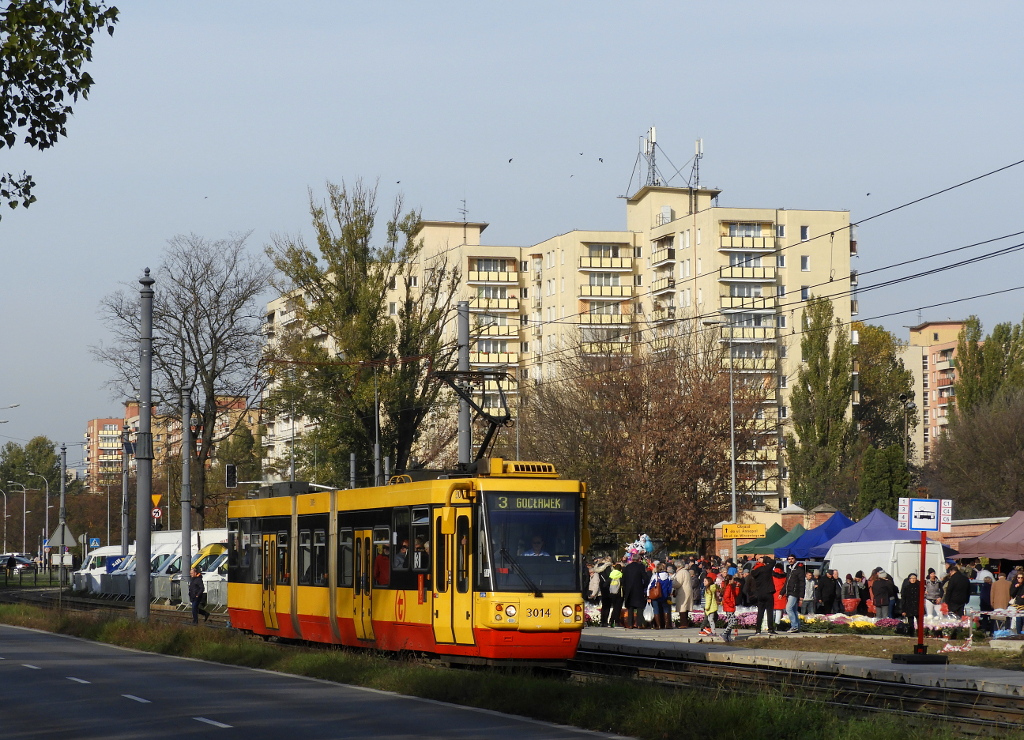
(94, 542)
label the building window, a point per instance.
(805, 292)
(781, 320)
(392, 309)
(524, 266)
(782, 291)
(686, 239)
(638, 280)
(393, 283)
(783, 381)
(491, 345)
(698, 237)
(698, 266)
(780, 231)
(780, 260)
(414, 281)
(805, 233)
(601, 278)
(783, 412)
(805, 264)
(525, 346)
(526, 292)
(638, 252)
(605, 307)
(783, 351)
(747, 229)
(935, 336)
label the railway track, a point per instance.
(973, 712)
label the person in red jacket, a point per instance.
(730, 594)
(779, 600)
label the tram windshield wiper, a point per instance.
(522, 573)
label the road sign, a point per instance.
(742, 531)
(94, 542)
(61, 537)
(156, 499)
(157, 513)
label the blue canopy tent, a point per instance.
(875, 526)
(800, 548)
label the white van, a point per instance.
(898, 558)
(100, 561)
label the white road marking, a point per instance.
(33, 667)
(211, 722)
(77, 680)
(139, 699)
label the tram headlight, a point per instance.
(510, 610)
(567, 611)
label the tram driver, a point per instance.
(536, 548)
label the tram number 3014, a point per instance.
(538, 613)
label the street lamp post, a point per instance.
(5, 519)
(732, 426)
(24, 511)
(46, 509)
(908, 408)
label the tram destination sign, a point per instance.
(743, 531)
(532, 502)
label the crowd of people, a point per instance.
(782, 590)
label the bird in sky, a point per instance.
(510, 159)
(601, 159)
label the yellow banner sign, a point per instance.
(743, 531)
(156, 499)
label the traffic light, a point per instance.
(230, 476)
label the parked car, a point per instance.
(22, 565)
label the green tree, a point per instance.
(884, 479)
(43, 47)
(347, 349)
(984, 367)
(883, 379)
(38, 455)
(819, 448)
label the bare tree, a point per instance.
(207, 339)
(649, 432)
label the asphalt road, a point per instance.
(53, 686)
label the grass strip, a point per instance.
(634, 708)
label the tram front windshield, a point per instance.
(534, 541)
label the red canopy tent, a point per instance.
(1005, 542)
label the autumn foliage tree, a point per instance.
(649, 433)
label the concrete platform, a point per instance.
(691, 645)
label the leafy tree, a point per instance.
(207, 339)
(885, 478)
(987, 366)
(883, 379)
(650, 435)
(346, 349)
(819, 448)
(43, 47)
(38, 455)
(979, 461)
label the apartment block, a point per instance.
(681, 257)
(102, 451)
(931, 357)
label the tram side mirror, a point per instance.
(448, 520)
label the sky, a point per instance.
(222, 118)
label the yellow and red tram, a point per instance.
(485, 567)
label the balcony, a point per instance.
(606, 263)
(764, 455)
(660, 315)
(946, 364)
(763, 426)
(747, 243)
(943, 421)
(496, 330)
(749, 303)
(493, 304)
(493, 358)
(605, 318)
(739, 272)
(661, 344)
(945, 381)
(661, 257)
(750, 364)
(663, 285)
(504, 278)
(606, 291)
(749, 333)
(762, 487)
(606, 348)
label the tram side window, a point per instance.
(320, 557)
(441, 584)
(283, 562)
(421, 539)
(345, 558)
(400, 559)
(305, 557)
(381, 556)
(462, 551)
(254, 554)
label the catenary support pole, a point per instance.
(125, 444)
(186, 489)
(465, 420)
(920, 598)
(144, 452)
(352, 470)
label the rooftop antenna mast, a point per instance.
(650, 143)
(698, 155)
(463, 211)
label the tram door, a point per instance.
(362, 583)
(453, 598)
(269, 581)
